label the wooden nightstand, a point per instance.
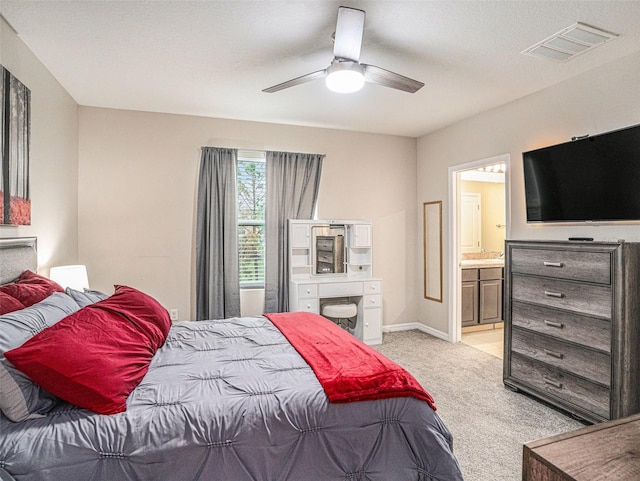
(607, 451)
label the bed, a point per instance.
(228, 400)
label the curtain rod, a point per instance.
(246, 150)
(257, 150)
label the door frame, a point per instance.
(455, 191)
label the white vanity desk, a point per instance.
(350, 277)
(307, 295)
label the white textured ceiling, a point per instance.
(213, 58)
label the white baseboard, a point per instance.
(408, 326)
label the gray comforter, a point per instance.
(231, 400)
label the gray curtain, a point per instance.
(217, 277)
(292, 191)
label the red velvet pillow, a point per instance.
(28, 277)
(9, 303)
(31, 288)
(95, 357)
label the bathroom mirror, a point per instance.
(432, 222)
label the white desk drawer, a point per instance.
(372, 287)
(309, 305)
(307, 291)
(337, 289)
(372, 301)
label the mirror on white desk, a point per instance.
(328, 249)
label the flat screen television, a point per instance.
(591, 179)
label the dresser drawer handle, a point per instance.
(557, 355)
(559, 325)
(553, 264)
(559, 295)
(552, 383)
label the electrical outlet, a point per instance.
(173, 314)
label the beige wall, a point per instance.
(493, 212)
(53, 157)
(600, 100)
(137, 189)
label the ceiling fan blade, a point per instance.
(380, 76)
(297, 81)
(348, 38)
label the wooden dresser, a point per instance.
(607, 451)
(572, 325)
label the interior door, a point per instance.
(470, 222)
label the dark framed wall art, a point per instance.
(15, 110)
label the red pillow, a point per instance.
(28, 277)
(9, 304)
(31, 288)
(95, 357)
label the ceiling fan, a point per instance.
(346, 74)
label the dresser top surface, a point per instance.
(605, 451)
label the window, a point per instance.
(251, 192)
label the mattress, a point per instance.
(231, 400)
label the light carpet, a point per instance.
(489, 422)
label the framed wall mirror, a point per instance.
(432, 238)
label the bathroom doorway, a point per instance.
(479, 196)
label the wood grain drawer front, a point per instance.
(589, 396)
(563, 264)
(592, 365)
(469, 275)
(588, 331)
(490, 273)
(585, 298)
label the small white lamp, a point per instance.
(74, 277)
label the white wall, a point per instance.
(137, 188)
(604, 99)
(53, 157)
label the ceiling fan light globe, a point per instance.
(345, 78)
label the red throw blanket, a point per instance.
(347, 369)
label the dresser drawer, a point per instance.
(563, 264)
(324, 244)
(307, 291)
(588, 331)
(309, 305)
(371, 302)
(592, 365)
(582, 393)
(372, 287)
(335, 289)
(584, 298)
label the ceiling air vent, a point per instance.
(569, 42)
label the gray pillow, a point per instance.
(20, 398)
(87, 297)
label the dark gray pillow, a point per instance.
(87, 297)
(20, 398)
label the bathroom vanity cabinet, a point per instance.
(572, 325)
(481, 295)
